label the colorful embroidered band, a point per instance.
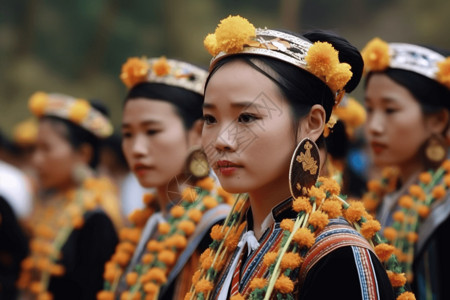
(79, 111)
(235, 35)
(166, 71)
(379, 55)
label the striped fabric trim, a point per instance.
(367, 276)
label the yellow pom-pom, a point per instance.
(322, 59)
(376, 55)
(134, 71)
(37, 103)
(79, 111)
(210, 44)
(339, 77)
(161, 67)
(233, 33)
(443, 75)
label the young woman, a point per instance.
(269, 94)
(72, 235)
(407, 93)
(161, 129)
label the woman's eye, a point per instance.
(390, 110)
(247, 118)
(126, 135)
(152, 131)
(369, 109)
(209, 119)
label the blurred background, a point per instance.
(78, 47)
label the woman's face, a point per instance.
(248, 133)
(396, 127)
(54, 157)
(155, 141)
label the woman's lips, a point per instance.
(227, 167)
(377, 148)
(141, 169)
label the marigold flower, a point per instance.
(416, 191)
(187, 227)
(406, 296)
(390, 233)
(238, 296)
(161, 67)
(304, 237)
(206, 263)
(339, 77)
(27, 263)
(269, 258)
(150, 288)
(209, 202)
(206, 183)
(164, 227)
(321, 59)
(57, 270)
(412, 237)
(284, 284)
(302, 204)
(188, 296)
(443, 74)
(157, 274)
(330, 185)
(210, 44)
(396, 279)
(154, 246)
(319, 220)
(425, 177)
(105, 295)
(45, 231)
(127, 295)
(134, 71)
(168, 257)
(354, 212)
(317, 193)
(45, 296)
(177, 211)
(138, 217)
(287, 224)
(189, 194)
(79, 111)
(258, 283)
(423, 211)
(369, 228)
(131, 278)
(196, 276)
(217, 232)
(406, 201)
(399, 216)
(333, 208)
(36, 287)
(195, 215)
(147, 258)
(203, 286)
(376, 55)
(148, 198)
(37, 103)
(438, 192)
(384, 251)
(233, 33)
(177, 240)
(43, 263)
(291, 260)
(205, 254)
(121, 258)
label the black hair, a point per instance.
(431, 95)
(301, 88)
(78, 136)
(188, 104)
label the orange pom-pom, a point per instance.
(79, 111)
(37, 103)
(233, 33)
(134, 71)
(376, 55)
(321, 59)
(161, 67)
(443, 75)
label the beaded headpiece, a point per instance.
(235, 35)
(379, 55)
(162, 70)
(79, 111)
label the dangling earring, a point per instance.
(304, 169)
(197, 166)
(434, 151)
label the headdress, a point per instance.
(162, 70)
(350, 112)
(235, 35)
(79, 111)
(25, 132)
(379, 55)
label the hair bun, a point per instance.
(347, 53)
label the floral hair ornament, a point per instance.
(236, 35)
(379, 55)
(79, 111)
(349, 111)
(162, 70)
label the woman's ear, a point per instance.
(195, 133)
(437, 123)
(313, 124)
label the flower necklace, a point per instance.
(148, 277)
(313, 213)
(52, 232)
(413, 209)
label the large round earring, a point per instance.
(434, 151)
(305, 167)
(197, 166)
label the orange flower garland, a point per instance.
(299, 235)
(52, 233)
(151, 273)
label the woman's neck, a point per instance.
(410, 169)
(264, 199)
(169, 193)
